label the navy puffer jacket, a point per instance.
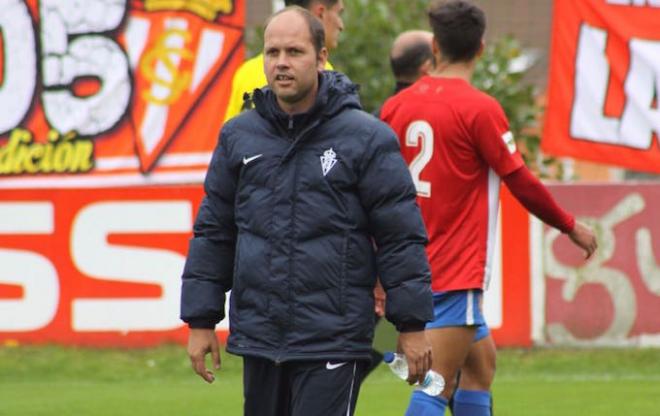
(294, 206)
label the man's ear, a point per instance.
(437, 53)
(322, 59)
(481, 48)
(317, 9)
(426, 66)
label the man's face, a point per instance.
(333, 24)
(290, 61)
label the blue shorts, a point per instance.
(459, 308)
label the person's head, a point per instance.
(294, 54)
(411, 55)
(458, 29)
(329, 12)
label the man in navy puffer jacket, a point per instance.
(297, 193)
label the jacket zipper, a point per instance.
(288, 155)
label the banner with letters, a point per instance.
(604, 83)
(109, 114)
(96, 266)
(113, 92)
(102, 267)
(613, 299)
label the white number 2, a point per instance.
(417, 130)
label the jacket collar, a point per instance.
(335, 93)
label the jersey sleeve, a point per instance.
(531, 193)
(494, 140)
(208, 270)
(388, 195)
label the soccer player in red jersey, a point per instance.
(458, 145)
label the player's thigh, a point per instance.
(450, 349)
(327, 388)
(457, 316)
(478, 371)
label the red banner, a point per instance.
(604, 82)
(514, 298)
(100, 100)
(614, 298)
(99, 267)
(113, 93)
(103, 267)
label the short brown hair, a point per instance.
(458, 27)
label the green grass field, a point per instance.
(36, 381)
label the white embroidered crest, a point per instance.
(328, 160)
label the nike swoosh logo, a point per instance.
(247, 160)
(331, 366)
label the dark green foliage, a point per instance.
(370, 28)
(363, 53)
(494, 75)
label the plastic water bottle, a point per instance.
(433, 383)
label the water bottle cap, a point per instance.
(388, 357)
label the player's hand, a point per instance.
(200, 343)
(583, 236)
(418, 353)
(379, 298)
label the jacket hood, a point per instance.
(336, 93)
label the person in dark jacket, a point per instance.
(411, 57)
(299, 191)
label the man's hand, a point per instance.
(583, 237)
(379, 299)
(418, 353)
(200, 343)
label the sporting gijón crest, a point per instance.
(174, 59)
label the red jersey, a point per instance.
(457, 143)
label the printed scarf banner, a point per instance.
(604, 82)
(101, 93)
